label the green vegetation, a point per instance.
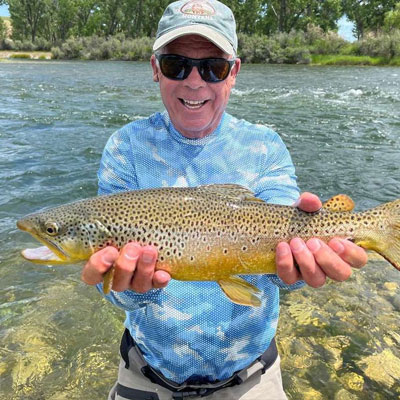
(57, 21)
(20, 55)
(100, 48)
(270, 31)
(323, 59)
(3, 28)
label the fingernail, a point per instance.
(131, 253)
(282, 251)
(337, 246)
(297, 245)
(108, 259)
(314, 245)
(147, 257)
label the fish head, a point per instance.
(67, 233)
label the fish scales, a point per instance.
(212, 232)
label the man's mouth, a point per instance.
(193, 104)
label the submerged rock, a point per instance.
(383, 367)
(353, 381)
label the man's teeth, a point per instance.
(193, 103)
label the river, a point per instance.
(59, 339)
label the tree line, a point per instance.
(57, 20)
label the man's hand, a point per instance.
(315, 259)
(134, 268)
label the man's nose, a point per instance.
(194, 80)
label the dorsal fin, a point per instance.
(339, 203)
(231, 191)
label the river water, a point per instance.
(59, 339)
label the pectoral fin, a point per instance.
(108, 280)
(240, 292)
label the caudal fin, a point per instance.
(385, 237)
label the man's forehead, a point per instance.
(197, 41)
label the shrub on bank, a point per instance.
(99, 48)
(276, 49)
(296, 47)
(292, 48)
(40, 44)
(381, 44)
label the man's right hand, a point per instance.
(134, 268)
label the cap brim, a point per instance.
(201, 30)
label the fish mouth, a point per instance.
(50, 253)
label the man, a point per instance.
(185, 339)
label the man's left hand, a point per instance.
(316, 260)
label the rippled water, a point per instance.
(59, 340)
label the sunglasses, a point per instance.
(178, 68)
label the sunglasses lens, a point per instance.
(214, 70)
(179, 67)
(175, 67)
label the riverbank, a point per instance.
(313, 46)
(26, 55)
(316, 59)
(339, 59)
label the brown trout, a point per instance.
(212, 232)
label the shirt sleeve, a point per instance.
(278, 182)
(278, 185)
(117, 174)
(130, 300)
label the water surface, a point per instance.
(59, 339)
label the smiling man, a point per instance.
(185, 339)
(194, 105)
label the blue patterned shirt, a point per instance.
(191, 329)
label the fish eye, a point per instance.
(51, 228)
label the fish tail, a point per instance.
(385, 237)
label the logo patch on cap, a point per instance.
(197, 8)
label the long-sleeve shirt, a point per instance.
(190, 330)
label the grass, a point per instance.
(21, 55)
(395, 62)
(339, 59)
(31, 55)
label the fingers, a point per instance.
(161, 279)
(143, 278)
(352, 254)
(125, 266)
(98, 264)
(134, 268)
(286, 269)
(308, 202)
(288, 255)
(329, 261)
(311, 272)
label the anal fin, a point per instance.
(239, 291)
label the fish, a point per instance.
(205, 233)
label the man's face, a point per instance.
(195, 106)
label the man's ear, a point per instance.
(236, 67)
(154, 67)
(235, 71)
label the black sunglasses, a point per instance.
(179, 67)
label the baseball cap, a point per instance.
(208, 18)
